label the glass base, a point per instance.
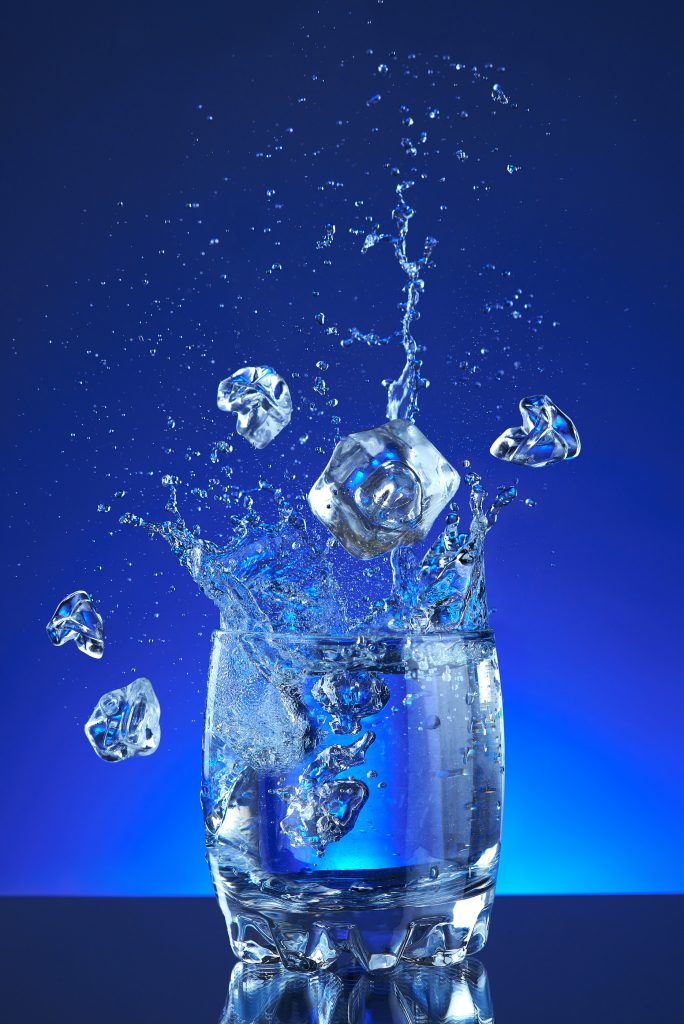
(376, 940)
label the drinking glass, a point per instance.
(352, 795)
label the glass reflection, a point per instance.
(409, 995)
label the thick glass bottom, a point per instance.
(376, 939)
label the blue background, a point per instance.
(116, 318)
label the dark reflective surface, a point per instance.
(549, 959)
(408, 995)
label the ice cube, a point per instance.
(382, 487)
(261, 399)
(322, 809)
(547, 435)
(349, 697)
(77, 619)
(325, 815)
(125, 722)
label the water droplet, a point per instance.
(498, 95)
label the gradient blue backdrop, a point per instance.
(115, 318)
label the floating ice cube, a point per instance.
(261, 399)
(382, 488)
(322, 810)
(125, 722)
(349, 697)
(547, 435)
(76, 619)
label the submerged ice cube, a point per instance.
(325, 815)
(125, 722)
(382, 487)
(261, 399)
(322, 809)
(348, 697)
(77, 619)
(547, 435)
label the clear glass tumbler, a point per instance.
(352, 795)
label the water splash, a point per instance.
(275, 577)
(270, 576)
(280, 572)
(445, 590)
(402, 393)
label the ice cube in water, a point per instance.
(77, 619)
(322, 809)
(125, 722)
(261, 400)
(350, 696)
(383, 487)
(547, 435)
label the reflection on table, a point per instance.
(408, 995)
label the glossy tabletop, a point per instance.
(549, 959)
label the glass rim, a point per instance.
(293, 636)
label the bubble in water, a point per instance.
(76, 618)
(261, 400)
(547, 435)
(125, 722)
(382, 488)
